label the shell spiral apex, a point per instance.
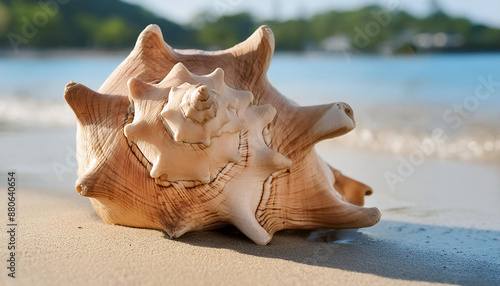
(197, 133)
(183, 140)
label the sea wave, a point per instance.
(423, 130)
(28, 111)
(417, 144)
(405, 132)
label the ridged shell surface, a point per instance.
(188, 140)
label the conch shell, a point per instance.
(187, 140)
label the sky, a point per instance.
(479, 11)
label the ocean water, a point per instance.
(398, 102)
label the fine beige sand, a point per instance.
(61, 241)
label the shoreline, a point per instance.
(65, 52)
(62, 53)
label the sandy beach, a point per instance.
(63, 242)
(444, 231)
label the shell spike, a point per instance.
(129, 131)
(84, 102)
(324, 210)
(87, 184)
(178, 73)
(244, 219)
(150, 33)
(150, 43)
(156, 171)
(217, 77)
(257, 49)
(265, 114)
(138, 88)
(353, 191)
(326, 121)
(348, 215)
(272, 161)
(280, 162)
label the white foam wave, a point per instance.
(35, 112)
(467, 147)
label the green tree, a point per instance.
(226, 31)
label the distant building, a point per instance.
(337, 43)
(437, 40)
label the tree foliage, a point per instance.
(80, 24)
(109, 24)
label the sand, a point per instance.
(63, 242)
(440, 226)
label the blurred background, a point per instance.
(423, 78)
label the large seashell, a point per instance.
(186, 140)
